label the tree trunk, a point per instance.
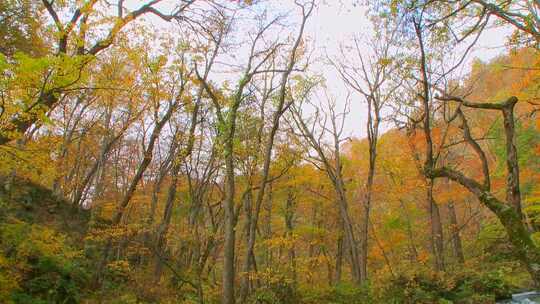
(518, 234)
(268, 227)
(339, 253)
(457, 248)
(513, 194)
(364, 232)
(230, 223)
(437, 240)
(351, 241)
(289, 226)
(164, 228)
(413, 252)
(245, 285)
(147, 158)
(276, 117)
(337, 179)
(364, 235)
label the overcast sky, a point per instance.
(333, 24)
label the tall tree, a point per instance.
(282, 106)
(226, 110)
(78, 47)
(370, 77)
(328, 158)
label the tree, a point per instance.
(175, 100)
(370, 78)
(508, 211)
(328, 159)
(73, 48)
(282, 106)
(226, 110)
(21, 27)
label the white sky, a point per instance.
(334, 23)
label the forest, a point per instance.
(217, 151)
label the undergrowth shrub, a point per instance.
(432, 287)
(277, 288)
(43, 268)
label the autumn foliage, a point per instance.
(191, 152)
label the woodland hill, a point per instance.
(191, 152)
